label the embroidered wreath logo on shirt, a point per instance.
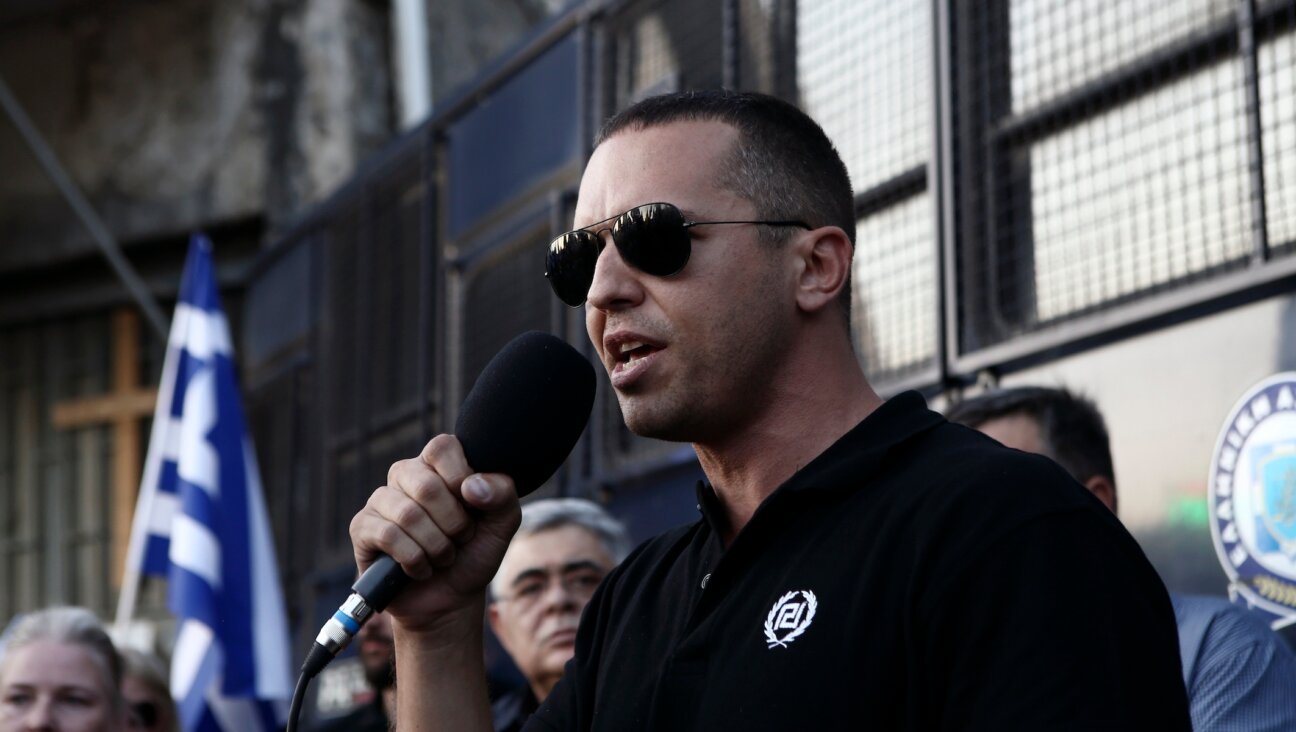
(790, 617)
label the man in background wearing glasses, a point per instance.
(562, 550)
(858, 564)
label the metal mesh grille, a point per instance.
(1106, 154)
(340, 325)
(864, 72)
(666, 45)
(506, 296)
(894, 305)
(273, 416)
(1277, 62)
(340, 370)
(1058, 46)
(393, 250)
(1149, 193)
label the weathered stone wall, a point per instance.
(187, 113)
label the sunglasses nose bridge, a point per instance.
(613, 275)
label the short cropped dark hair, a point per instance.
(782, 162)
(1071, 427)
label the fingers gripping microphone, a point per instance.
(521, 418)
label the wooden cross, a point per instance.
(122, 408)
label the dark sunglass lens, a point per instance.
(569, 265)
(653, 239)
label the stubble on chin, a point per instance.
(670, 418)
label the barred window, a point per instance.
(1278, 121)
(894, 303)
(503, 297)
(1149, 193)
(864, 70)
(1059, 46)
(665, 45)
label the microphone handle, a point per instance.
(380, 582)
(370, 594)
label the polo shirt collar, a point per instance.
(853, 459)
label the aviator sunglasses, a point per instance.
(653, 238)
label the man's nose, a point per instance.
(558, 594)
(615, 284)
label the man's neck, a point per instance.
(806, 415)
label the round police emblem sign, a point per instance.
(1252, 494)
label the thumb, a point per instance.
(494, 496)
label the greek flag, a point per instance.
(201, 523)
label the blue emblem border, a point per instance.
(1261, 588)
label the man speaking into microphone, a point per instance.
(857, 564)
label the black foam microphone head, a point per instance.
(527, 409)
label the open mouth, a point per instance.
(632, 351)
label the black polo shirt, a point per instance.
(915, 576)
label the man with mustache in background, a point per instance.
(562, 550)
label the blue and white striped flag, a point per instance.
(201, 523)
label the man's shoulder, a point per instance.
(956, 469)
(1220, 624)
(1238, 671)
(970, 457)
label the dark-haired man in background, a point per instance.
(1238, 673)
(856, 564)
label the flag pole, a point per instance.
(132, 576)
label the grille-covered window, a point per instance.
(864, 72)
(894, 304)
(1148, 193)
(1112, 152)
(1058, 46)
(504, 296)
(664, 45)
(1277, 66)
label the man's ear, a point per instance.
(825, 258)
(1105, 490)
(492, 614)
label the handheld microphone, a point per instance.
(521, 418)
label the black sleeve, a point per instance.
(1059, 624)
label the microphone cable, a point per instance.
(370, 594)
